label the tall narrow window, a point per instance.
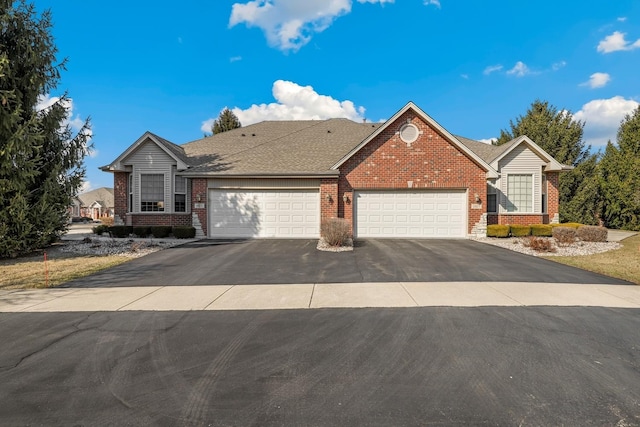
(131, 192)
(152, 192)
(520, 193)
(180, 194)
(492, 196)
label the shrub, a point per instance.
(542, 230)
(539, 244)
(100, 229)
(161, 231)
(590, 233)
(107, 220)
(142, 230)
(564, 235)
(497, 230)
(335, 231)
(184, 232)
(120, 230)
(520, 230)
(573, 225)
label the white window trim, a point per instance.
(175, 192)
(533, 194)
(164, 195)
(495, 194)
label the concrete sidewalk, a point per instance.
(315, 296)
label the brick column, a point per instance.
(199, 188)
(553, 196)
(120, 194)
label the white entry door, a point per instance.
(264, 213)
(436, 214)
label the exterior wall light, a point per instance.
(328, 197)
(477, 198)
(345, 198)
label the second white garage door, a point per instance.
(436, 214)
(264, 213)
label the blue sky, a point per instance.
(471, 65)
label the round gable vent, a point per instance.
(409, 133)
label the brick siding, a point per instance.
(199, 188)
(175, 219)
(120, 193)
(431, 162)
(553, 194)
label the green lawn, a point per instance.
(623, 263)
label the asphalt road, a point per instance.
(298, 261)
(397, 367)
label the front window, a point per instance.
(492, 196)
(520, 193)
(180, 196)
(131, 192)
(152, 192)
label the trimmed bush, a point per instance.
(520, 230)
(497, 230)
(539, 244)
(564, 235)
(100, 229)
(591, 233)
(161, 231)
(107, 220)
(142, 230)
(120, 230)
(542, 230)
(184, 232)
(573, 225)
(335, 231)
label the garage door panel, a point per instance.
(434, 214)
(264, 213)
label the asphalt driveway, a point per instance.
(210, 262)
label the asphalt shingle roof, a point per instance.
(277, 147)
(102, 195)
(486, 152)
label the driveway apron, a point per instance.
(210, 262)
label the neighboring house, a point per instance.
(94, 204)
(407, 177)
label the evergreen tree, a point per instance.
(557, 133)
(225, 121)
(41, 162)
(620, 176)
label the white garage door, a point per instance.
(264, 213)
(411, 214)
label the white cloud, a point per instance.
(558, 65)
(465, 76)
(436, 3)
(488, 140)
(519, 70)
(295, 102)
(492, 68)
(85, 186)
(602, 118)
(616, 42)
(235, 59)
(597, 80)
(290, 24)
(622, 19)
(74, 122)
